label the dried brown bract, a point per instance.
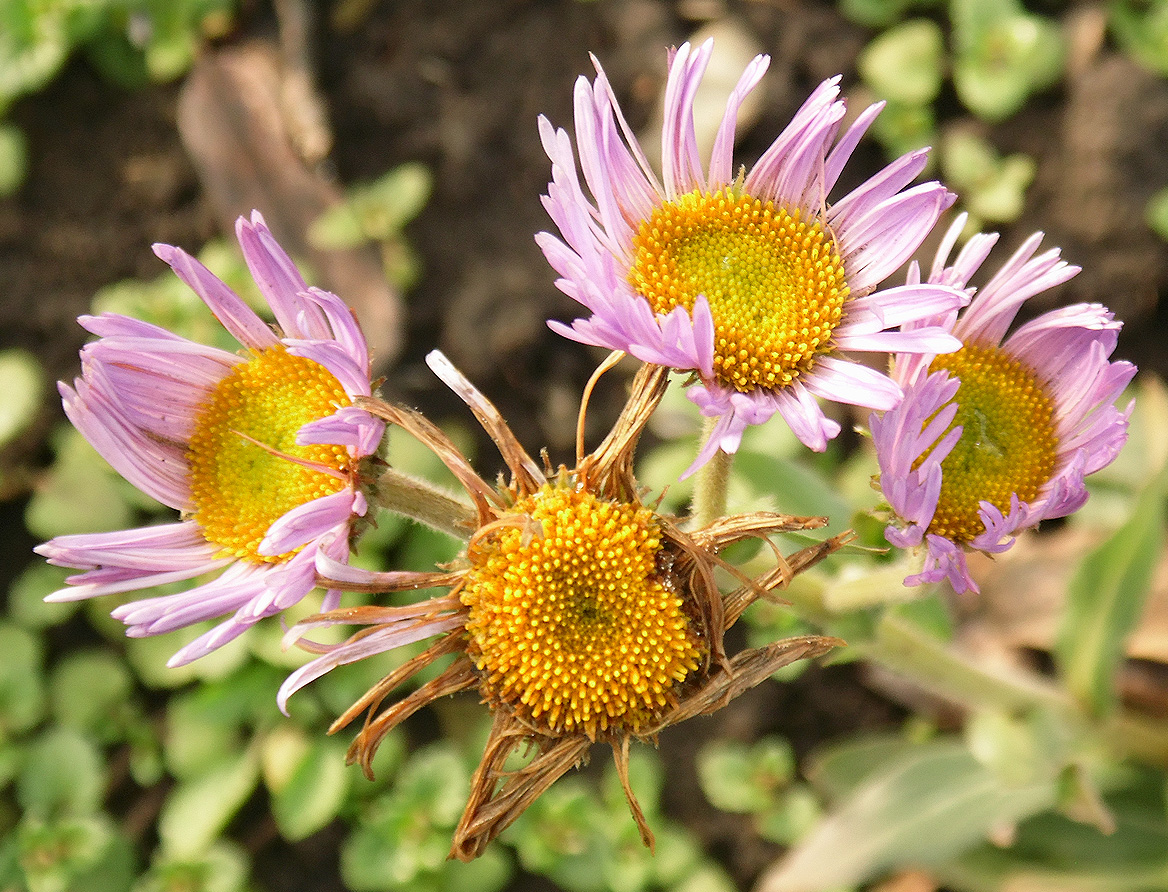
(578, 613)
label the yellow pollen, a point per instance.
(1008, 443)
(239, 488)
(570, 620)
(775, 283)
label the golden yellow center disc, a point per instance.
(239, 488)
(1008, 444)
(775, 283)
(570, 620)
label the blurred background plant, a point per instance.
(1028, 744)
(131, 42)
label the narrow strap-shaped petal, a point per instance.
(842, 381)
(359, 647)
(307, 522)
(681, 166)
(279, 280)
(722, 155)
(229, 308)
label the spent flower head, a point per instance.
(999, 435)
(578, 613)
(260, 450)
(749, 279)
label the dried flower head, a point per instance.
(999, 435)
(753, 281)
(260, 450)
(579, 614)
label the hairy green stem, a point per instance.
(420, 500)
(710, 482)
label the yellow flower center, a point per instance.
(1008, 443)
(775, 283)
(240, 488)
(570, 620)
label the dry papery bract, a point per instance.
(685, 565)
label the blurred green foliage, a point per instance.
(995, 55)
(131, 42)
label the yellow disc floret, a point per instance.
(238, 487)
(1008, 443)
(774, 281)
(571, 622)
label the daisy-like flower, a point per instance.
(752, 281)
(999, 435)
(579, 614)
(260, 450)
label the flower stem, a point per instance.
(904, 649)
(710, 483)
(422, 501)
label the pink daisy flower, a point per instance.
(260, 450)
(999, 435)
(751, 280)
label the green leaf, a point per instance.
(90, 691)
(13, 162)
(198, 810)
(560, 836)
(374, 211)
(208, 723)
(1002, 54)
(797, 813)
(22, 692)
(1052, 853)
(80, 494)
(925, 805)
(26, 597)
(742, 779)
(1157, 211)
(1141, 28)
(308, 780)
(62, 775)
(905, 63)
(405, 841)
(793, 488)
(1105, 597)
(34, 43)
(905, 128)
(489, 872)
(74, 854)
(993, 188)
(224, 868)
(878, 13)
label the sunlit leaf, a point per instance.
(224, 868)
(905, 63)
(926, 804)
(1141, 28)
(1105, 597)
(309, 789)
(737, 778)
(1052, 853)
(1003, 54)
(197, 810)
